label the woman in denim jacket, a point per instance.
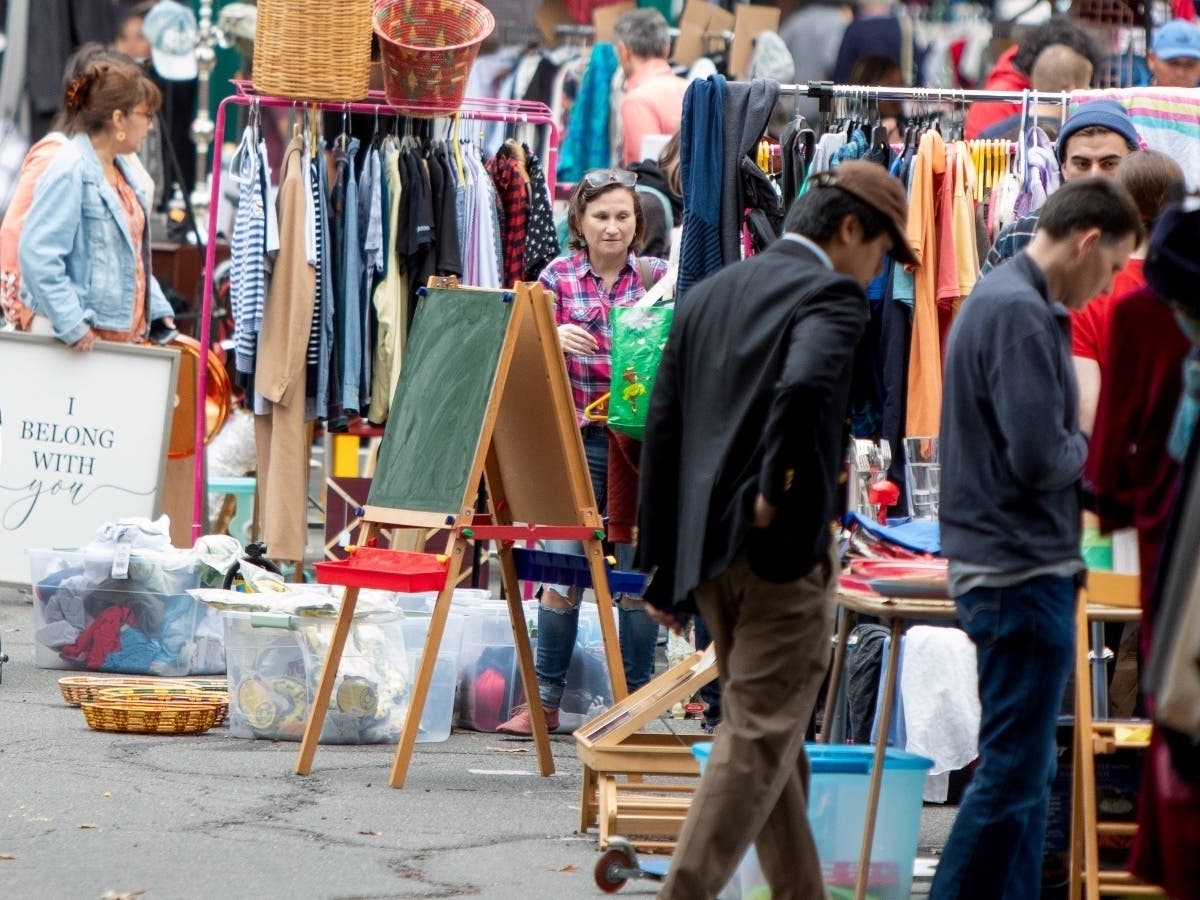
(85, 248)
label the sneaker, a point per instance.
(521, 725)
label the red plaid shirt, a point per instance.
(581, 299)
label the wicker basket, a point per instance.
(150, 716)
(171, 693)
(313, 50)
(77, 688)
(428, 48)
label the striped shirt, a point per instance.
(581, 298)
(247, 270)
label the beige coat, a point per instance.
(281, 436)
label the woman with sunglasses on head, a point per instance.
(603, 271)
(85, 247)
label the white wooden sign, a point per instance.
(83, 441)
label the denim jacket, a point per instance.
(76, 250)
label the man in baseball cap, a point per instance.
(738, 489)
(1174, 55)
(171, 29)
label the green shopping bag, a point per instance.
(639, 335)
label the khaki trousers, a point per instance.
(772, 645)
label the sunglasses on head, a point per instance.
(601, 177)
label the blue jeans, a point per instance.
(1024, 642)
(558, 627)
(639, 632)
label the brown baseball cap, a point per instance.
(871, 183)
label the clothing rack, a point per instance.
(519, 112)
(826, 92)
(570, 29)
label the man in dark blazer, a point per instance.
(739, 489)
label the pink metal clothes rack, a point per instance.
(517, 112)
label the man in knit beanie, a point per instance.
(1093, 141)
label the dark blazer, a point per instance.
(752, 395)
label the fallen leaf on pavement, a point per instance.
(370, 833)
(88, 825)
(9, 856)
(508, 749)
(121, 895)
(569, 867)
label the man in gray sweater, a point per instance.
(1012, 458)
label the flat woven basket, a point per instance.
(176, 716)
(180, 692)
(313, 50)
(428, 48)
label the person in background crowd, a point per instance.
(659, 183)
(85, 248)
(882, 71)
(15, 312)
(1010, 521)
(1057, 68)
(1147, 175)
(739, 487)
(813, 31)
(602, 271)
(880, 28)
(130, 38)
(1013, 69)
(653, 100)
(1093, 141)
(1174, 55)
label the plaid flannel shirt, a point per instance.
(580, 298)
(1010, 241)
(514, 218)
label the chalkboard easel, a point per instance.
(482, 393)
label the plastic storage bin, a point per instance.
(490, 681)
(274, 664)
(837, 804)
(92, 615)
(439, 701)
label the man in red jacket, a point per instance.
(1013, 68)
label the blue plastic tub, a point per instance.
(837, 804)
(572, 569)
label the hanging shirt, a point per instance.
(389, 302)
(925, 357)
(514, 204)
(541, 243)
(247, 255)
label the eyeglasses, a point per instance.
(600, 177)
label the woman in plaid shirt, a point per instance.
(606, 229)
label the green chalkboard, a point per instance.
(447, 375)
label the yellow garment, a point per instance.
(391, 304)
(925, 355)
(966, 251)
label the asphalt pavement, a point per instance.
(87, 814)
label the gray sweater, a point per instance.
(1011, 450)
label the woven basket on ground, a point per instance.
(313, 50)
(428, 48)
(144, 716)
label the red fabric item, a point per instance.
(1128, 466)
(514, 220)
(947, 263)
(1090, 326)
(100, 638)
(1166, 851)
(956, 49)
(1183, 9)
(623, 453)
(1003, 77)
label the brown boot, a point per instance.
(521, 725)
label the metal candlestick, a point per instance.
(203, 130)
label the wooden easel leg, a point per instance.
(329, 671)
(608, 619)
(533, 698)
(885, 724)
(420, 689)
(832, 701)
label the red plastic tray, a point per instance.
(388, 570)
